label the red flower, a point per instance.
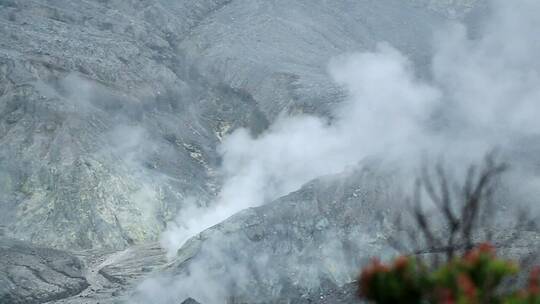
(486, 248)
(534, 280)
(466, 284)
(367, 276)
(446, 296)
(472, 256)
(401, 263)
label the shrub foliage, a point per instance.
(474, 278)
(460, 270)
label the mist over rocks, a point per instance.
(474, 97)
(222, 128)
(310, 241)
(103, 139)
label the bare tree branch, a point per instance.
(474, 201)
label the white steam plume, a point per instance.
(297, 149)
(483, 93)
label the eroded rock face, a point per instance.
(30, 274)
(112, 276)
(450, 8)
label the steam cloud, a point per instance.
(483, 92)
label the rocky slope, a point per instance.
(102, 138)
(299, 249)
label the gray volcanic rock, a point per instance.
(190, 301)
(30, 274)
(450, 8)
(278, 51)
(346, 294)
(102, 139)
(298, 248)
(112, 276)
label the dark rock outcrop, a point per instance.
(190, 301)
(30, 274)
(112, 276)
